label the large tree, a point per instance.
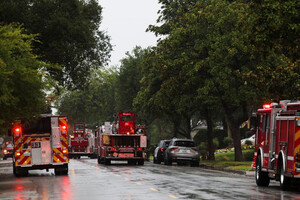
(68, 34)
(93, 105)
(21, 76)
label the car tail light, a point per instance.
(194, 149)
(140, 149)
(161, 149)
(173, 149)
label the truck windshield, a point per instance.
(79, 127)
(41, 125)
(126, 118)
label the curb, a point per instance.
(242, 172)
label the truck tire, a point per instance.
(107, 161)
(141, 162)
(99, 159)
(284, 181)
(262, 178)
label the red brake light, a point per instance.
(266, 106)
(161, 149)
(140, 149)
(194, 149)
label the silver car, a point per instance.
(182, 151)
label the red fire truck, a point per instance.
(81, 142)
(277, 144)
(121, 140)
(40, 144)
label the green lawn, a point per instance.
(226, 160)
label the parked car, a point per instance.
(158, 156)
(8, 151)
(182, 151)
(252, 139)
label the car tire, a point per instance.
(154, 160)
(158, 161)
(195, 164)
(262, 178)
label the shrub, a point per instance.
(228, 141)
(248, 142)
(248, 155)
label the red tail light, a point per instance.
(161, 149)
(194, 149)
(140, 149)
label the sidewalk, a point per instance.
(5, 163)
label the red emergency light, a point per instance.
(17, 129)
(64, 127)
(267, 106)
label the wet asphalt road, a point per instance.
(88, 180)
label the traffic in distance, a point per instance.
(46, 144)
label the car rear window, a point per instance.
(184, 143)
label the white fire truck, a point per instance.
(40, 144)
(122, 140)
(277, 144)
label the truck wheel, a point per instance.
(65, 170)
(284, 181)
(99, 159)
(141, 162)
(262, 178)
(107, 162)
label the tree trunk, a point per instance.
(237, 142)
(210, 136)
(235, 130)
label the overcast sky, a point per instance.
(126, 21)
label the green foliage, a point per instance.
(228, 141)
(68, 34)
(129, 78)
(21, 76)
(248, 142)
(95, 104)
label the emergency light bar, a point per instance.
(17, 130)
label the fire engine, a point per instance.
(82, 142)
(121, 140)
(40, 144)
(277, 144)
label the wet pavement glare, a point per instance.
(119, 181)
